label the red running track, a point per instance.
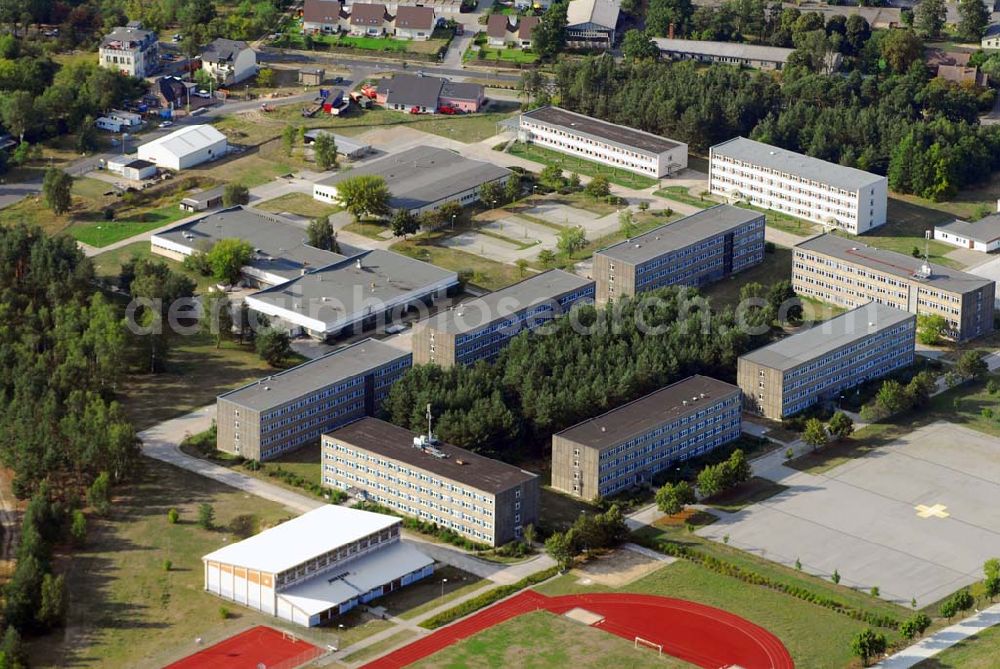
(699, 634)
(258, 645)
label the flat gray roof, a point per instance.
(279, 244)
(620, 135)
(984, 230)
(502, 303)
(342, 288)
(204, 195)
(681, 233)
(774, 54)
(424, 175)
(394, 442)
(283, 387)
(644, 414)
(345, 145)
(828, 336)
(890, 262)
(800, 165)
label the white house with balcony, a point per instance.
(130, 50)
(769, 177)
(229, 61)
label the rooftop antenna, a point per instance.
(430, 418)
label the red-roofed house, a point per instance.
(415, 23)
(369, 19)
(323, 16)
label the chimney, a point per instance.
(357, 263)
(670, 31)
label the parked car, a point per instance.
(166, 124)
(414, 110)
(445, 109)
(338, 80)
(201, 93)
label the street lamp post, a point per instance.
(443, 581)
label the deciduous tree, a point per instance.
(364, 196)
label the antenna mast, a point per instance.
(430, 418)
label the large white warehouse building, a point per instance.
(317, 566)
(769, 177)
(185, 147)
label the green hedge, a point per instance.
(729, 569)
(487, 598)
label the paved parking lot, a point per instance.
(916, 518)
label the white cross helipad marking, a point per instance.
(936, 511)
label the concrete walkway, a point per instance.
(942, 640)
(162, 442)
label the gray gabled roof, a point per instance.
(890, 262)
(739, 50)
(415, 18)
(409, 89)
(424, 175)
(598, 12)
(223, 50)
(796, 164)
(344, 363)
(984, 230)
(802, 347)
(605, 131)
(681, 233)
(500, 304)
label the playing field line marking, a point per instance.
(936, 511)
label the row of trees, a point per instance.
(922, 132)
(577, 368)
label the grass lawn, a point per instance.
(579, 200)
(755, 490)
(645, 221)
(301, 204)
(369, 230)
(384, 44)
(107, 265)
(425, 595)
(962, 405)
(252, 168)
(466, 128)
(558, 511)
(541, 640)
(784, 222)
(380, 647)
(197, 373)
(479, 271)
(976, 652)
(682, 194)
(103, 233)
(486, 54)
(123, 604)
(583, 167)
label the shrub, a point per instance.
(173, 515)
(206, 516)
(224, 613)
(78, 528)
(167, 565)
(487, 598)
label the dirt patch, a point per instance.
(617, 568)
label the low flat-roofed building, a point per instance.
(285, 411)
(820, 363)
(479, 329)
(480, 498)
(204, 200)
(312, 76)
(602, 142)
(770, 177)
(346, 146)
(307, 289)
(310, 569)
(848, 273)
(370, 288)
(734, 53)
(421, 179)
(694, 251)
(280, 249)
(982, 235)
(629, 445)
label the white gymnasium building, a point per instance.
(185, 147)
(313, 568)
(769, 177)
(602, 142)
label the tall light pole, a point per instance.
(443, 581)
